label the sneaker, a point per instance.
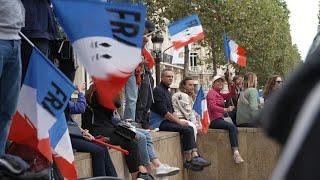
(191, 166)
(166, 170)
(200, 161)
(144, 176)
(237, 158)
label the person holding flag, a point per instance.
(183, 101)
(215, 100)
(11, 20)
(145, 81)
(101, 161)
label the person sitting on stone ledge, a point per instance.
(164, 118)
(100, 121)
(273, 84)
(248, 105)
(182, 102)
(215, 101)
(101, 161)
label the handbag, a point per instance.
(125, 131)
(74, 129)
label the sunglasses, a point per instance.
(279, 82)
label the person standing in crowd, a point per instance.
(164, 118)
(216, 109)
(183, 101)
(101, 161)
(11, 22)
(248, 102)
(144, 101)
(272, 85)
(40, 29)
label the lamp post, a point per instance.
(157, 40)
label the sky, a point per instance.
(303, 23)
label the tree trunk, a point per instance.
(214, 61)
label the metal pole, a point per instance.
(158, 59)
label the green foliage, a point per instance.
(260, 26)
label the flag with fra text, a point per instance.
(107, 39)
(39, 121)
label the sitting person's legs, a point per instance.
(148, 155)
(101, 161)
(193, 160)
(233, 136)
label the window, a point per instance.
(193, 59)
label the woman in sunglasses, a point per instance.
(273, 84)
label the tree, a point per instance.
(261, 27)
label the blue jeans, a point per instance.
(10, 80)
(101, 161)
(145, 144)
(131, 96)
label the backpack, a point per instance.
(38, 166)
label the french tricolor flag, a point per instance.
(234, 52)
(39, 121)
(107, 38)
(200, 107)
(186, 31)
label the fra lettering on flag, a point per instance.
(200, 107)
(291, 117)
(39, 121)
(234, 52)
(107, 38)
(186, 31)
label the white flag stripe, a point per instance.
(39, 117)
(64, 147)
(186, 34)
(122, 61)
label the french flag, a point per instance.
(39, 121)
(234, 52)
(186, 31)
(107, 38)
(148, 58)
(200, 107)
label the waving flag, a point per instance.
(39, 121)
(186, 31)
(107, 38)
(200, 107)
(148, 58)
(234, 52)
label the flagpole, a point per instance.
(28, 40)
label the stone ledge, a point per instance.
(162, 143)
(260, 155)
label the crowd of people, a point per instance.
(151, 108)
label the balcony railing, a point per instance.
(199, 70)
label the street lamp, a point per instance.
(157, 40)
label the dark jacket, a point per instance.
(98, 119)
(39, 20)
(162, 100)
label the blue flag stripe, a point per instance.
(183, 24)
(109, 19)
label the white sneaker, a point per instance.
(237, 158)
(166, 170)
